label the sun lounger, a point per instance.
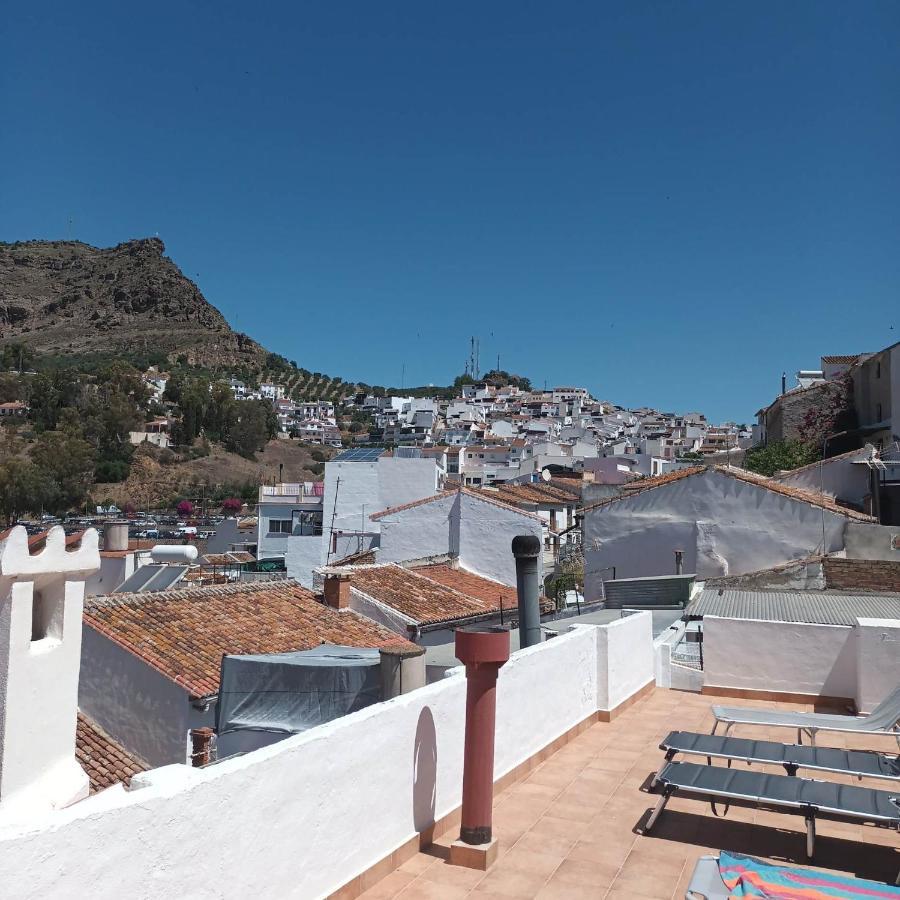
(883, 719)
(858, 763)
(799, 796)
(734, 874)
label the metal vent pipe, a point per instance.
(526, 549)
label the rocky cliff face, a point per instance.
(69, 297)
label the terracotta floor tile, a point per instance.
(646, 884)
(535, 862)
(577, 812)
(420, 889)
(581, 871)
(417, 864)
(559, 889)
(550, 826)
(572, 825)
(389, 886)
(511, 882)
(613, 852)
(444, 873)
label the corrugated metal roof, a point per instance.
(811, 607)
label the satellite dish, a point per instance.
(545, 474)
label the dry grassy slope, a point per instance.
(154, 483)
(69, 297)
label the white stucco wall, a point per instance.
(303, 554)
(41, 603)
(780, 656)
(485, 538)
(842, 478)
(304, 816)
(404, 480)
(112, 572)
(724, 526)
(625, 658)
(864, 541)
(358, 492)
(142, 709)
(877, 661)
(430, 529)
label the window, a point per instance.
(878, 372)
(877, 412)
(280, 526)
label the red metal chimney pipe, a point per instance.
(483, 649)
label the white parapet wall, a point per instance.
(303, 817)
(860, 663)
(625, 659)
(786, 657)
(877, 661)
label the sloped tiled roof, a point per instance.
(812, 497)
(423, 600)
(840, 360)
(537, 493)
(184, 633)
(359, 558)
(484, 496)
(105, 761)
(490, 592)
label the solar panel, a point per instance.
(359, 454)
(166, 578)
(135, 582)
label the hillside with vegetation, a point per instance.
(73, 449)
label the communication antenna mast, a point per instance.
(337, 487)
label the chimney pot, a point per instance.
(337, 590)
(201, 746)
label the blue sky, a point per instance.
(667, 202)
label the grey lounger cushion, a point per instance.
(864, 763)
(791, 794)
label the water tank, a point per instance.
(173, 553)
(115, 536)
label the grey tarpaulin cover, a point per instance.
(291, 692)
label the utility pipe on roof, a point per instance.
(526, 548)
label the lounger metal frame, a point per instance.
(807, 810)
(791, 767)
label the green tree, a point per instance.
(68, 461)
(779, 456)
(23, 488)
(250, 427)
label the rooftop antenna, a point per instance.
(337, 487)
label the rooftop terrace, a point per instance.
(572, 826)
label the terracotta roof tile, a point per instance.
(536, 493)
(415, 503)
(837, 360)
(811, 497)
(472, 492)
(105, 761)
(184, 633)
(422, 600)
(492, 593)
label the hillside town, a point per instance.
(655, 547)
(450, 452)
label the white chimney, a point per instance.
(41, 604)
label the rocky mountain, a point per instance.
(68, 297)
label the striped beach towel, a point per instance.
(745, 876)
